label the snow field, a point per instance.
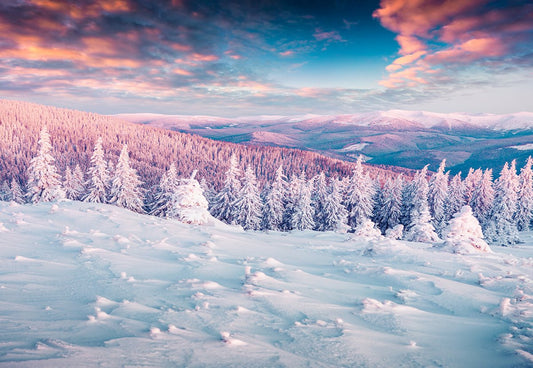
(88, 284)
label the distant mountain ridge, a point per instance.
(409, 139)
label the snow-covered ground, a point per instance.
(94, 285)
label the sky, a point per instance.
(253, 57)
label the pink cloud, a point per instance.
(441, 34)
(287, 53)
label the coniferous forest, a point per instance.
(100, 159)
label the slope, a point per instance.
(94, 285)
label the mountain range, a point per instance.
(409, 139)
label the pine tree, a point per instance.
(291, 196)
(464, 234)
(73, 183)
(420, 228)
(472, 180)
(319, 199)
(360, 196)
(455, 199)
(17, 195)
(5, 191)
(126, 189)
(223, 201)
(482, 199)
(388, 212)
(44, 183)
(524, 210)
(335, 214)
(302, 217)
(501, 228)
(248, 204)
(98, 181)
(438, 190)
(162, 202)
(274, 207)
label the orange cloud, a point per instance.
(181, 72)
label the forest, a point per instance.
(260, 188)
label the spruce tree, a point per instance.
(470, 183)
(162, 202)
(98, 176)
(335, 214)
(223, 201)
(126, 189)
(388, 212)
(438, 190)
(524, 210)
(360, 196)
(5, 191)
(501, 228)
(73, 183)
(455, 199)
(482, 199)
(44, 183)
(248, 204)
(319, 199)
(302, 216)
(275, 200)
(17, 195)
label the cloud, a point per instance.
(439, 39)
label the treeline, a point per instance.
(414, 209)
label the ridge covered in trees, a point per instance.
(426, 208)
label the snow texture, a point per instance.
(86, 284)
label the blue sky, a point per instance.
(245, 57)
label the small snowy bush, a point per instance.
(463, 234)
(368, 229)
(395, 233)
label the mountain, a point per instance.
(152, 149)
(409, 139)
(85, 285)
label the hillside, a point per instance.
(409, 139)
(89, 285)
(74, 134)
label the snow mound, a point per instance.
(463, 234)
(367, 229)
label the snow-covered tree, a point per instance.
(360, 196)
(470, 183)
(455, 199)
(482, 198)
(189, 204)
(222, 207)
(126, 189)
(388, 212)
(335, 215)
(524, 210)
(420, 228)
(291, 196)
(98, 176)
(162, 202)
(17, 195)
(44, 183)
(274, 207)
(438, 190)
(302, 217)
(209, 193)
(319, 198)
(463, 234)
(501, 228)
(248, 204)
(5, 191)
(73, 183)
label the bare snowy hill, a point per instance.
(404, 138)
(84, 285)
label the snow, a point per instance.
(523, 147)
(96, 285)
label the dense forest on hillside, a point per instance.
(152, 150)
